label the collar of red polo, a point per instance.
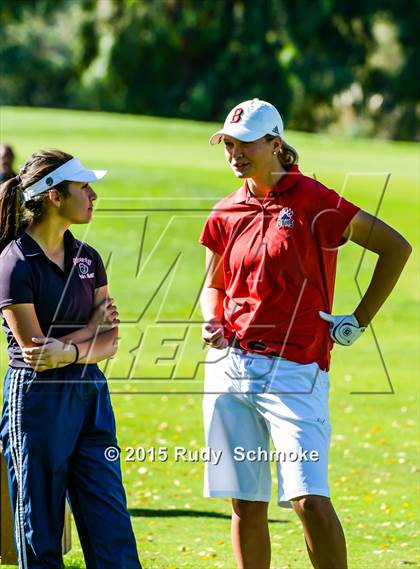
(287, 181)
(30, 247)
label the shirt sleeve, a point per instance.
(332, 218)
(101, 278)
(213, 235)
(16, 285)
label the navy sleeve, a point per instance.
(16, 285)
(100, 277)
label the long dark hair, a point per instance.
(14, 212)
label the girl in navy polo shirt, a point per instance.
(267, 300)
(57, 421)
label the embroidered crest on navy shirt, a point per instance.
(83, 265)
(285, 218)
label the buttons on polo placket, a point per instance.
(261, 213)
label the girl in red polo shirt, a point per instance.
(267, 299)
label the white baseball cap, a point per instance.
(249, 121)
(70, 171)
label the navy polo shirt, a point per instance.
(63, 300)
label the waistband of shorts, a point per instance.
(65, 368)
(72, 370)
(256, 347)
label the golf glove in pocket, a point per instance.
(344, 329)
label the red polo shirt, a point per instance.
(279, 260)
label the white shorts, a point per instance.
(250, 398)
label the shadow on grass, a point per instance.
(143, 513)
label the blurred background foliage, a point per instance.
(348, 67)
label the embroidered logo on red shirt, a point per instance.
(285, 218)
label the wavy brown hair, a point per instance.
(288, 156)
(14, 212)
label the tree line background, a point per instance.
(332, 66)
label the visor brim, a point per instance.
(242, 134)
(86, 175)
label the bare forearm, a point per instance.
(98, 348)
(211, 302)
(78, 336)
(104, 317)
(385, 276)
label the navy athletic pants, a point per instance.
(55, 428)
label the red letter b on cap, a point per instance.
(237, 115)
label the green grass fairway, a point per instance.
(163, 178)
